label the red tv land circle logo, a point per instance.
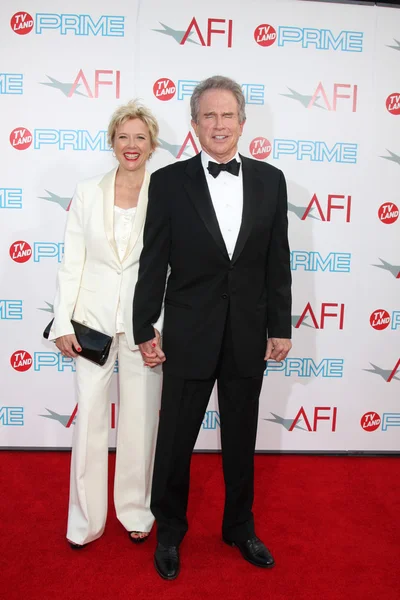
(20, 138)
(260, 148)
(20, 251)
(21, 360)
(380, 319)
(370, 421)
(21, 23)
(393, 103)
(265, 35)
(388, 213)
(164, 89)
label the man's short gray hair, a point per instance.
(217, 82)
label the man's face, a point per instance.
(218, 127)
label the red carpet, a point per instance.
(332, 523)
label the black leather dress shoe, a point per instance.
(254, 551)
(166, 561)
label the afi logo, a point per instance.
(189, 140)
(331, 205)
(393, 103)
(316, 418)
(194, 28)
(388, 213)
(308, 311)
(90, 84)
(21, 23)
(260, 148)
(370, 421)
(327, 99)
(265, 35)
(21, 360)
(20, 251)
(20, 138)
(164, 89)
(393, 269)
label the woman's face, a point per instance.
(132, 144)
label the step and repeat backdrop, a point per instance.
(322, 88)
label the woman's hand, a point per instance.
(67, 344)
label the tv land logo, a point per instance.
(321, 413)
(11, 310)
(393, 269)
(388, 213)
(380, 319)
(266, 35)
(23, 23)
(98, 80)
(393, 103)
(201, 36)
(307, 367)
(392, 156)
(211, 418)
(22, 251)
(387, 374)
(371, 421)
(308, 150)
(332, 204)
(22, 360)
(22, 138)
(11, 416)
(260, 148)
(11, 198)
(328, 310)
(11, 83)
(62, 201)
(164, 89)
(333, 262)
(327, 100)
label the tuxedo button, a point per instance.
(224, 296)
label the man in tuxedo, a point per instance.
(219, 221)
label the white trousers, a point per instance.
(139, 403)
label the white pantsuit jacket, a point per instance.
(92, 280)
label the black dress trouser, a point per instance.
(183, 405)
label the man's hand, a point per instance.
(67, 344)
(277, 349)
(151, 351)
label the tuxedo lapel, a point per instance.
(252, 193)
(139, 216)
(107, 185)
(199, 194)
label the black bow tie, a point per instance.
(233, 167)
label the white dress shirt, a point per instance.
(123, 221)
(226, 191)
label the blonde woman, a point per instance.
(95, 286)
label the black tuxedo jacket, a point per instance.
(182, 231)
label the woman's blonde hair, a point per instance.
(133, 110)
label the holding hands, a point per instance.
(151, 351)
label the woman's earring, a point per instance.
(113, 153)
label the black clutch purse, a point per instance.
(95, 344)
